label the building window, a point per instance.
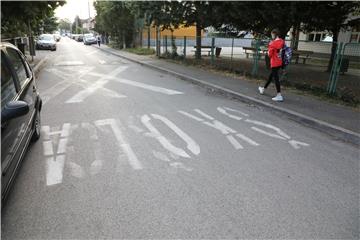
(316, 37)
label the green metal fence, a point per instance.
(309, 68)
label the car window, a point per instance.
(8, 90)
(18, 65)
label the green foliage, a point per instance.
(16, 16)
(116, 19)
(65, 24)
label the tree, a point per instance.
(117, 19)
(332, 17)
(18, 16)
(65, 24)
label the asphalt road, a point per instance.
(128, 152)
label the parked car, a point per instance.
(46, 41)
(80, 38)
(57, 37)
(89, 39)
(20, 112)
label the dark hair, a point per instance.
(276, 31)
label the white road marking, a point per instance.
(234, 142)
(145, 119)
(225, 109)
(191, 116)
(224, 129)
(181, 166)
(45, 132)
(267, 133)
(80, 96)
(48, 148)
(55, 163)
(190, 143)
(280, 133)
(139, 84)
(246, 139)
(296, 144)
(54, 169)
(102, 62)
(132, 159)
(203, 114)
(234, 110)
(69, 63)
(62, 146)
(161, 156)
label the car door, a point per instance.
(15, 132)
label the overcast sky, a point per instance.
(75, 7)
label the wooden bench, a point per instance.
(252, 50)
(300, 54)
(207, 49)
(204, 49)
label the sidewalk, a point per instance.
(337, 120)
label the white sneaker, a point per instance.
(278, 98)
(261, 90)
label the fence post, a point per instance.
(184, 47)
(232, 53)
(255, 68)
(212, 50)
(334, 74)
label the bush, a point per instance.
(141, 51)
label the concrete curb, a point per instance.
(333, 130)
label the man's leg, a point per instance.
(276, 78)
(270, 78)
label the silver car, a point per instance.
(46, 41)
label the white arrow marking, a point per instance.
(296, 144)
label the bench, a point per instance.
(300, 54)
(208, 50)
(252, 50)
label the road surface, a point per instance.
(128, 152)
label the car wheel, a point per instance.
(36, 127)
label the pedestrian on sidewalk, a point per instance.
(274, 53)
(98, 40)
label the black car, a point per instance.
(20, 112)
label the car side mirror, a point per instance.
(14, 109)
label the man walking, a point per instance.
(274, 52)
(98, 40)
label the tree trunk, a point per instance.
(333, 49)
(198, 42)
(123, 39)
(295, 36)
(148, 37)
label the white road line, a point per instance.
(234, 142)
(48, 148)
(45, 132)
(234, 110)
(267, 133)
(220, 126)
(223, 111)
(69, 63)
(246, 139)
(80, 96)
(191, 116)
(145, 119)
(141, 85)
(297, 144)
(191, 144)
(62, 146)
(54, 170)
(65, 131)
(276, 129)
(204, 114)
(102, 62)
(132, 159)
